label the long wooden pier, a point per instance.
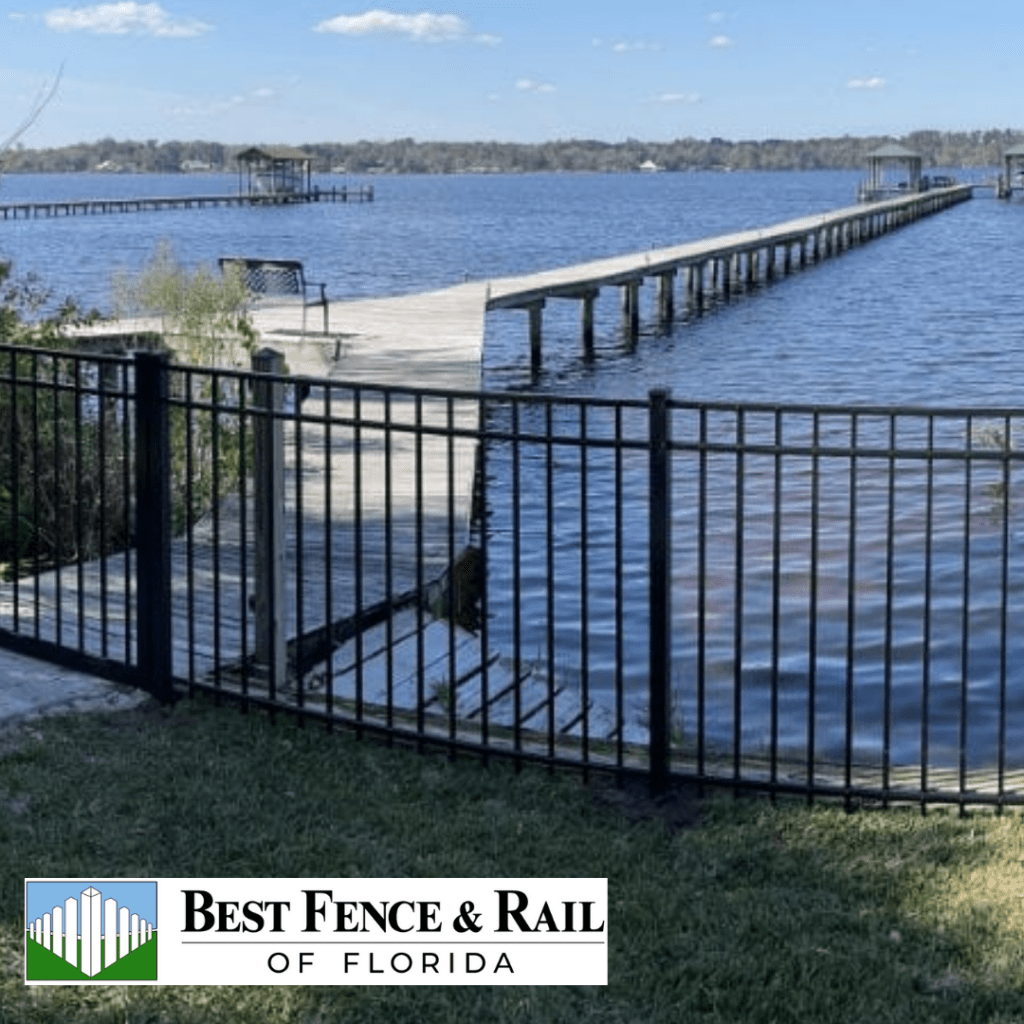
(87, 207)
(725, 263)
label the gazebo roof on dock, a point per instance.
(254, 153)
(893, 151)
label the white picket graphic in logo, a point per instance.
(110, 946)
(71, 931)
(108, 932)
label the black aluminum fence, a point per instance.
(813, 600)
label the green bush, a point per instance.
(204, 317)
(62, 480)
(65, 470)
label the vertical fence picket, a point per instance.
(14, 485)
(926, 623)
(890, 585)
(851, 615)
(584, 689)
(965, 614)
(812, 625)
(776, 601)
(1004, 550)
(620, 716)
(485, 610)
(737, 696)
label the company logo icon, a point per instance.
(77, 931)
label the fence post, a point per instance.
(153, 524)
(660, 665)
(268, 478)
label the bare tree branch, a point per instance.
(37, 108)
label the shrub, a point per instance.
(204, 317)
(62, 459)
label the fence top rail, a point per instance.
(8, 350)
(335, 386)
(854, 410)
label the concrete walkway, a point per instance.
(31, 689)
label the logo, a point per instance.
(316, 931)
(81, 931)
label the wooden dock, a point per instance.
(88, 207)
(726, 263)
(372, 554)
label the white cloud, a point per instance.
(529, 85)
(877, 82)
(431, 27)
(627, 47)
(213, 107)
(123, 18)
(720, 42)
(678, 97)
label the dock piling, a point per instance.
(536, 317)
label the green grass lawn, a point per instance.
(760, 913)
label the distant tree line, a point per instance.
(407, 156)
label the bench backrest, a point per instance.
(268, 277)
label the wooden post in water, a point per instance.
(587, 320)
(631, 308)
(666, 300)
(536, 317)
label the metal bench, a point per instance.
(277, 280)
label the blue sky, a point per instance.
(329, 71)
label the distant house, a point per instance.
(274, 171)
(194, 166)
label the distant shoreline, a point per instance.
(411, 157)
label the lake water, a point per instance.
(932, 315)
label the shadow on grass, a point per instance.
(734, 910)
